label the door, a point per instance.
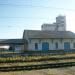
(67, 46)
(45, 46)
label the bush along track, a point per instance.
(34, 59)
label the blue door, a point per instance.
(45, 46)
(67, 46)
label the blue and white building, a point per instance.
(50, 37)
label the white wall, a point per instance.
(61, 28)
(48, 27)
(52, 27)
(31, 45)
(18, 48)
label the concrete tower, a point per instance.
(61, 23)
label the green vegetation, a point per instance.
(31, 60)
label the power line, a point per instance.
(33, 6)
(24, 17)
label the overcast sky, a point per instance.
(18, 15)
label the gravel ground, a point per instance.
(58, 71)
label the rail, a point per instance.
(37, 67)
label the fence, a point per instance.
(35, 53)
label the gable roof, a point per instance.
(47, 34)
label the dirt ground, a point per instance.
(59, 71)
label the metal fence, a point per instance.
(35, 53)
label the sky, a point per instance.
(19, 15)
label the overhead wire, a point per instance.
(36, 6)
(31, 6)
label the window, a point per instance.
(56, 45)
(74, 45)
(36, 46)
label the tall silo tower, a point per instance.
(61, 23)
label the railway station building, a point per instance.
(50, 37)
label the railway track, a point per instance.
(36, 67)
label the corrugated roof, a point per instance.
(48, 34)
(11, 41)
